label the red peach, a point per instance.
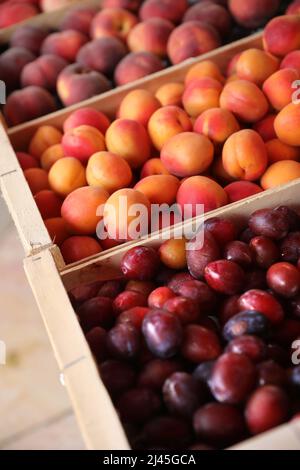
(282, 35)
(136, 65)
(240, 190)
(159, 189)
(43, 71)
(154, 166)
(49, 203)
(280, 173)
(256, 66)
(82, 142)
(12, 63)
(163, 9)
(66, 175)
(89, 117)
(132, 5)
(151, 36)
(212, 14)
(44, 137)
(102, 54)
(65, 44)
(170, 94)
(201, 94)
(37, 179)
(78, 248)
(291, 61)
(78, 19)
(279, 89)
(57, 230)
(27, 161)
(253, 13)
(217, 124)
(12, 13)
(138, 105)
(293, 8)
(108, 171)
(115, 22)
(30, 37)
(166, 123)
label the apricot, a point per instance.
(154, 166)
(173, 253)
(82, 142)
(217, 124)
(253, 13)
(159, 189)
(27, 161)
(57, 230)
(170, 94)
(66, 175)
(282, 35)
(113, 22)
(51, 155)
(43, 71)
(65, 44)
(88, 117)
(291, 61)
(138, 105)
(37, 179)
(166, 9)
(151, 36)
(167, 122)
(245, 100)
(137, 65)
(102, 54)
(109, 171)
(201, 94)
(80, 209)
(219, 172)
(256, 65)
(201, 190)
(78, 248)
(265, 127)
(210, 13)
(240, 190)
(191, 39)
(279, 89)
(245, 155)
(287, 125)
(127, 215)
(231, 66)
(187, 154)
(205, 69)
(280, 173)
(43, 138)
(30, 37)
(30, 103)
(49, 203)
(278, 151)
(129, 140)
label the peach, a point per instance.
(65, 44)
(170, 94)
(51, 155)
(122, 219)
(76, 83)
(166, 9)
(43, 71)
(12, 63)
(287, 125)
(279, 89)
(49, 203)
(80, 209)
(129, 140)
(280, 173)
(282, 35)
(265, 127)
(212, 14)
(78, 19)
(82, 142)
(256, 65)
(245, 100)
(253, 13)
(66, 175)
(75, 249)
(291, 61)
(154, 166)
(102, 54)
(30, 37)
(159, 189)
(167, 122)
(132, 5)
(136, 65)
(27, 104)
(115, 22)
(27, 161)
(173, 254)
(108, 171)
(201, 94)
(57, 230)
(239, 190)
(219, 173)
(217, 124)
(294, 8)
(205, 69)
(191, 39)
(43, 138)
(187, 154)
(278, 151)
(151, 36)
(50, 5)
(138, 105)
(12, 13)
(201, 190)
(89, 117)
(37, 179)
(245, 155)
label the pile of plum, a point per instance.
(207, 357)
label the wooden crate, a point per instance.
(32, 230)
(50, 281)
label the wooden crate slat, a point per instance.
(285, 437)
(95, 412)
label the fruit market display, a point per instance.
(94, 50)
(211, 140)
(196, 347)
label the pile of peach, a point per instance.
(127, 40)
(209, 141)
